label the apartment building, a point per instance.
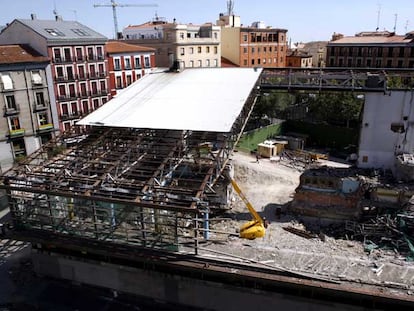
(28, 118)
(78, 64)
(127, 63)
(189, 45)
(378, 49)
(298, 59)
(254, 46)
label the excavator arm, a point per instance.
(256, 227)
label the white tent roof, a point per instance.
(202, 99)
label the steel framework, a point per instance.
(142, 187)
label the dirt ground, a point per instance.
(271, 185)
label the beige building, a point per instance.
(28, 119)
(254, 46)
(190, 45)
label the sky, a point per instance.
(305, 20)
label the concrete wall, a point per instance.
(205, 295)
(378, 144)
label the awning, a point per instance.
(7, 82)
(36, 78)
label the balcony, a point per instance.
(10, 111)
(62, 60)
(17, 133)
(67, 97)
(71, 116)
(40, 106)
(45, 127)
(68, 78)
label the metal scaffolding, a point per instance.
(142, 187)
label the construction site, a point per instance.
(167, 208)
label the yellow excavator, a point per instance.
(254, 228)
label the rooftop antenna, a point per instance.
(75, 13)
(378, 16)
(395, 22)
(115, 4)
(407, 22)
(230, 7)
(55, 12)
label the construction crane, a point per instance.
(114, 4)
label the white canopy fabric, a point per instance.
(7, 82)
(202, 99)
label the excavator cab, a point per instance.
(256, 228)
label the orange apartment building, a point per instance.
(254, 46)
(127, 63)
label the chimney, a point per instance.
(33, 16)
(58, 18)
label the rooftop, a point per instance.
(202, 99)
(113, 47)
(12, 54)
(60, 30)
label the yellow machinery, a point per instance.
(254, 228)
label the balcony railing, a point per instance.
(10, 111)
(45, 127)
(40, 106)
(17, 133)
(68, 97)
(61, 60)
(71, 116)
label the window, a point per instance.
(74, 109)
(207, 49)
(191, 50)
(137, 62)
(90, 53)
(92, 70)
(72, 92)
(199, 49)
(14, 123)
(245, 62)
(40, 99)
(11, 102)
(101, 70)
(42, 118)
(7, 82)
(252, 61)
(191, 63)
(188, 35)
(147, 62)
(390, 52)
(253, 50)
(199, 63)
(83, 89)
(54, 32)
(85, 106)
(215, 50)
(79, 54)
(119, 82)
(181, 35)
(81, 71)
(68, 56)
(378, 63)
(57, 56)
(139, 76)
(103, 86)
(389, 63)
(245, 50)
(215, 35)
(207, 63)
(19, 148)
(128, 80)
(94, 87)
(182, 51)
(99, 52)
(80, 32)
(127, 63)
(215, 63)
(244, 38)
(117, 64)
